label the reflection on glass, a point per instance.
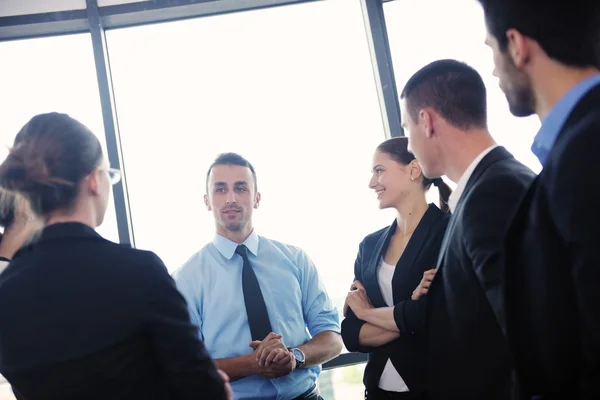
(51, 74)
(299, 103)
(464, 42)
(343, 383)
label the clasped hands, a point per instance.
(271, 357)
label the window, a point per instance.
(51, 74)
(417, 36)
(290, 88)
(343, 383)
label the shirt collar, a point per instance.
(227, 247)
(462, 182)
(556, 118)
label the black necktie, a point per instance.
(258, 318)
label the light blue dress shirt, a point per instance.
(556, 118)
(298, 306)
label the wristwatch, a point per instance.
(298, 355)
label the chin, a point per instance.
(519, 110)
(382, 205)
(429, 173)
(233, 227)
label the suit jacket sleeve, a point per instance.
(574, 199)
(410, 315)
(351, 325)
(188, 368)
(489, 211)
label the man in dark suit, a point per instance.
(445, 117)
(548, 64)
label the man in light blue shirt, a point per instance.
(270, 349)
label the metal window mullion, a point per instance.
(111, 127)
(382, 66)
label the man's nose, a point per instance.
(231, 197)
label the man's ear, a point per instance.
(426, 118)
(257, 200)
(207, 203)
(519, 49)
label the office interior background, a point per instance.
(304, 89)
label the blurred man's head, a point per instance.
(540, 39)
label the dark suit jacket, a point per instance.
(553, 255)
(469, 357)
(85, 318)
(408, 351)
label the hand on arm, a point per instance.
(380, 327)
(424, 285)
(384, 317)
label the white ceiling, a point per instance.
(24, 7)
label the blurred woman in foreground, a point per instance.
(82, 317)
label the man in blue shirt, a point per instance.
(260, 306)
(547, 58)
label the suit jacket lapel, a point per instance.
(445, 241)
(371, 283)
(497, 154)
(415, 244)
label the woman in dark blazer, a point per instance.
(82, 317)
(381, 318)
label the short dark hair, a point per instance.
(453, 89)
(397, 149)
(232, 159)
(568, 31)
(50, 157)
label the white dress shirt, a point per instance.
(3, 265)
(462, 182)
(390, 379)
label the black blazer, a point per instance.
(408, 351)
(553, 258)
(469, 357)
(85, 318)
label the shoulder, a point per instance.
(289, 251)
(510, 170)
(134, 259)
(437, 218)
(577, 144)
(193, 265)
(504, 179)
(374, 237)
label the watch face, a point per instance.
(298, 354)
